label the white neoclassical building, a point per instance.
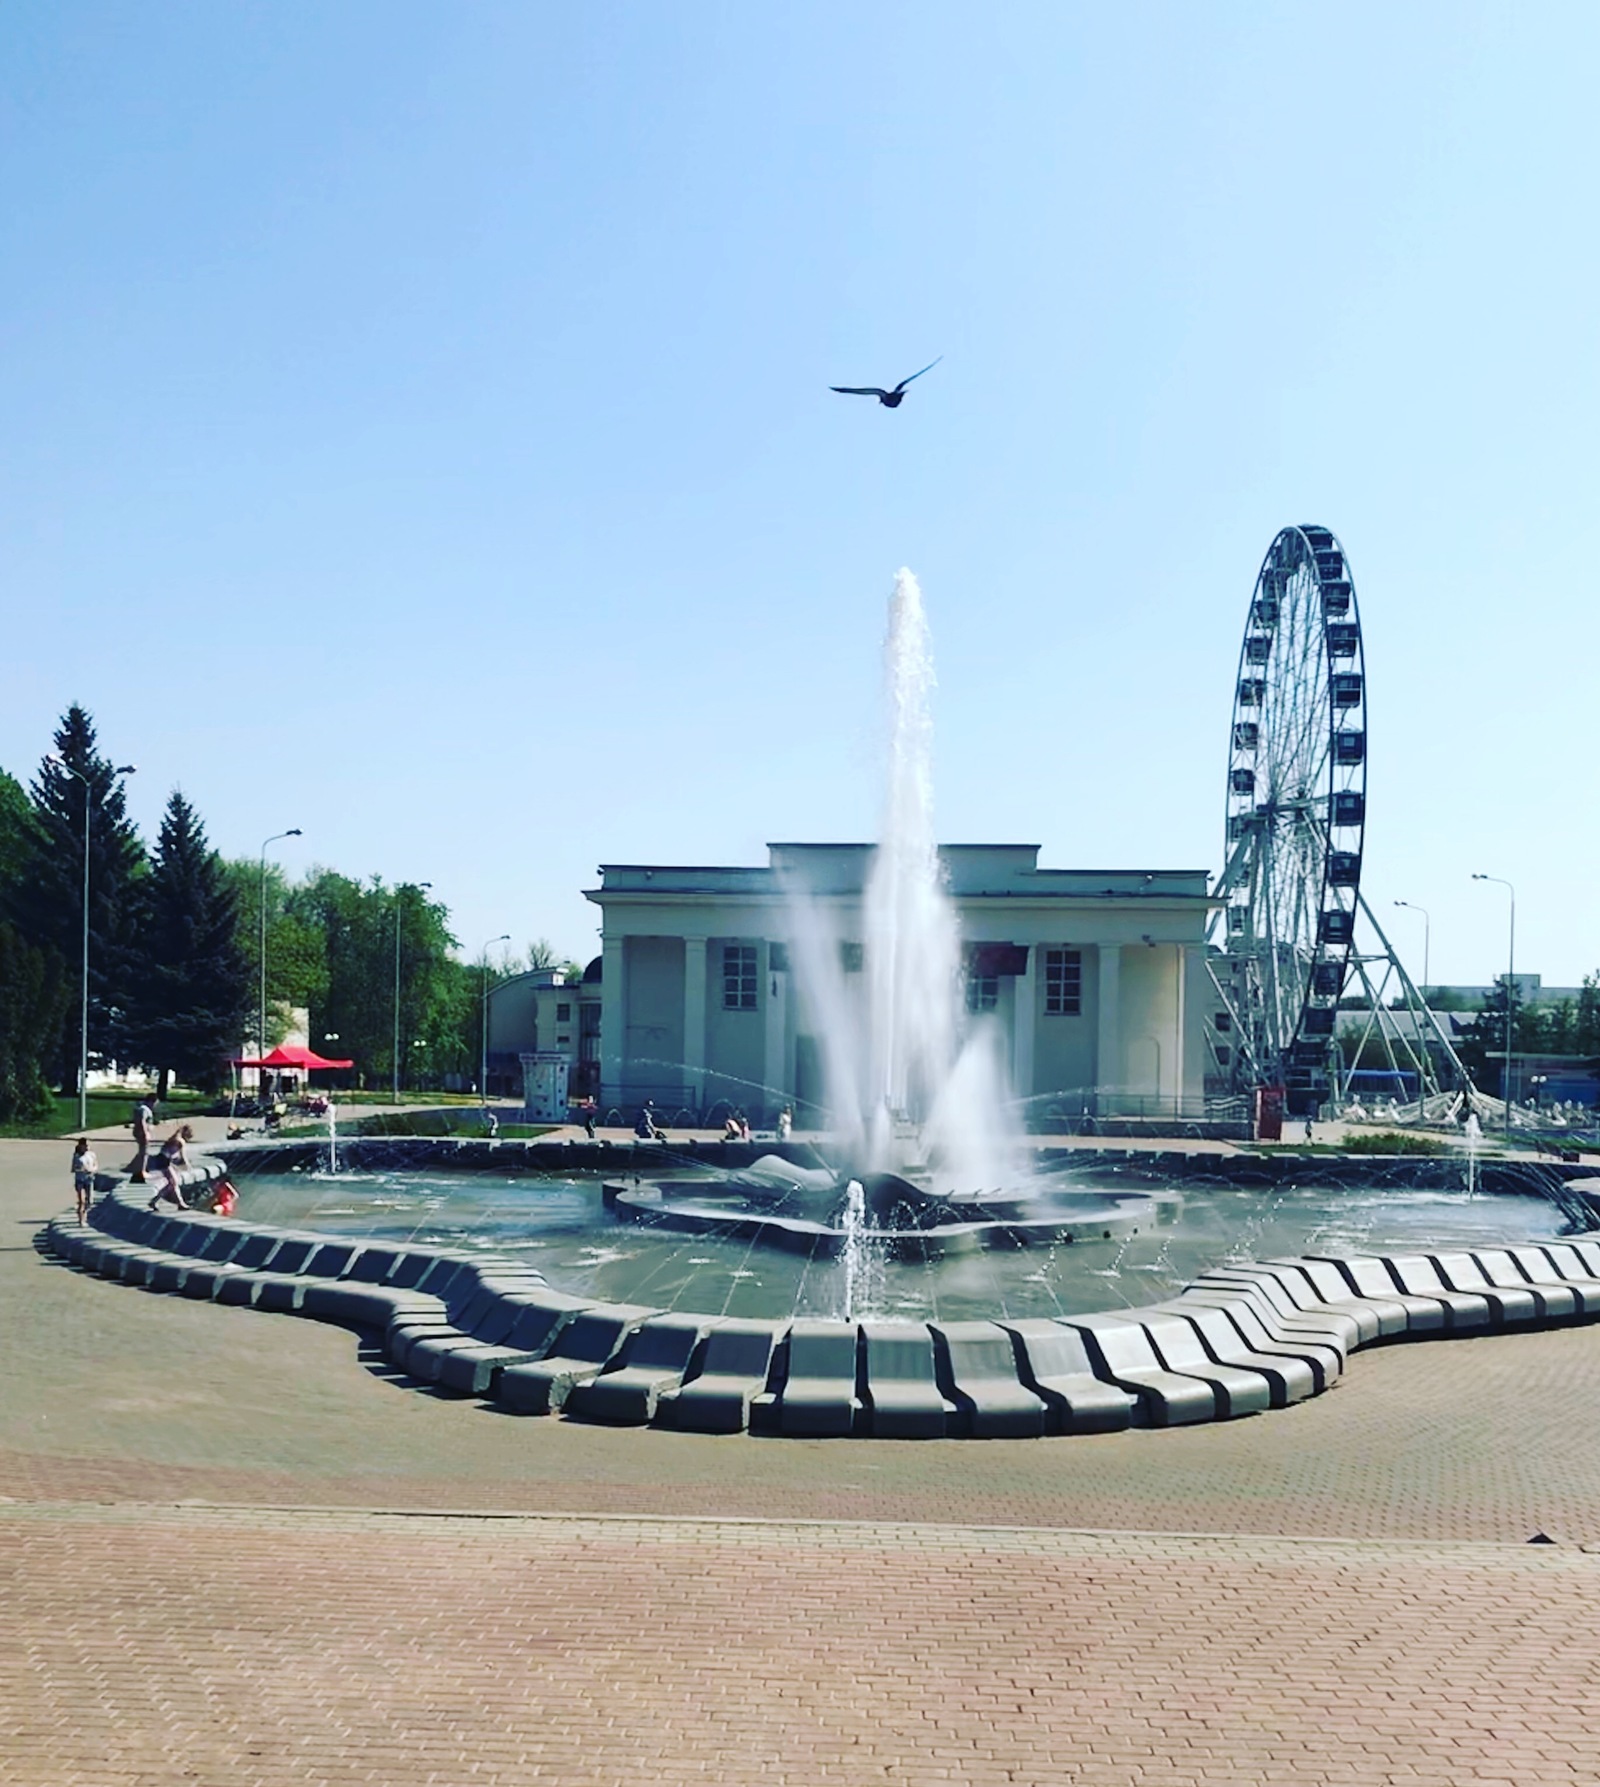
(1096, 978)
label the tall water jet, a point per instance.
(908, 924)
(908, 1086)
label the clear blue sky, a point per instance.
(414, 425)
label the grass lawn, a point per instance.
(104, 1108)
(466, 1123)
(413, 1096)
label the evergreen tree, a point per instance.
(1586, 1019)
(34, 1000)
(47, 901)
(194, 989)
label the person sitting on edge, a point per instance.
(647, 1129)
(731, 1132)
(173, 1156)
(84, 1167)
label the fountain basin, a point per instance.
(477, 1323)
(958, 1227)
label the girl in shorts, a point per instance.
(84, 1167)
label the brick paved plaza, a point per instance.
(236, 1550)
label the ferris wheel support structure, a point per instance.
(1405, 1028)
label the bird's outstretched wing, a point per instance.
(928, 368)
(858, 390)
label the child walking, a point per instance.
(84, 1167)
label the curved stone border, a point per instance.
(1239, 1340)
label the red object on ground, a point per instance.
(1269, 1113)
(289, 1054)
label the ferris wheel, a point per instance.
(1296, 818)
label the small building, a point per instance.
(1095, 978)
(545, 1013)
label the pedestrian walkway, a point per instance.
(233, 1549)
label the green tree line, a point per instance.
(1563, 1027)
(175, 934)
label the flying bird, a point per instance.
(889, 399)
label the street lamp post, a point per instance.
(483, 1052)
(1511, 985)
(399, 894)
(122, 769)
(1427, 930)
(261, 1035)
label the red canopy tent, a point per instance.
(290, 1054)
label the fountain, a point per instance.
(908, 1092)
(925, 1157)
(857, 1249)
(860, 1288)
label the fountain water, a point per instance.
(856, 1251)
(910, 1088)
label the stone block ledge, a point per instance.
(1240, 1340)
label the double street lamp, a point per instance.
(399, 908)
(483, 1052)
(1511, 986)
(122, 769)
(261, 1043)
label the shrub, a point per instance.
(1395, 1141)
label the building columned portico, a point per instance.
(1095, 978)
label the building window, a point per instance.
(778, 957)
(851, 958)
(983, 992)
(738, 977)
(1222, 1020)
(563, 1014)
(1063, 982)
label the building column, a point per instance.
(1180, 973)
(694, 1016)
(1024, 1025)
(613, 1019)
(1108, 1074)
(774, 1051)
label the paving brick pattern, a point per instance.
(941, 1622)
(212, 1646)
